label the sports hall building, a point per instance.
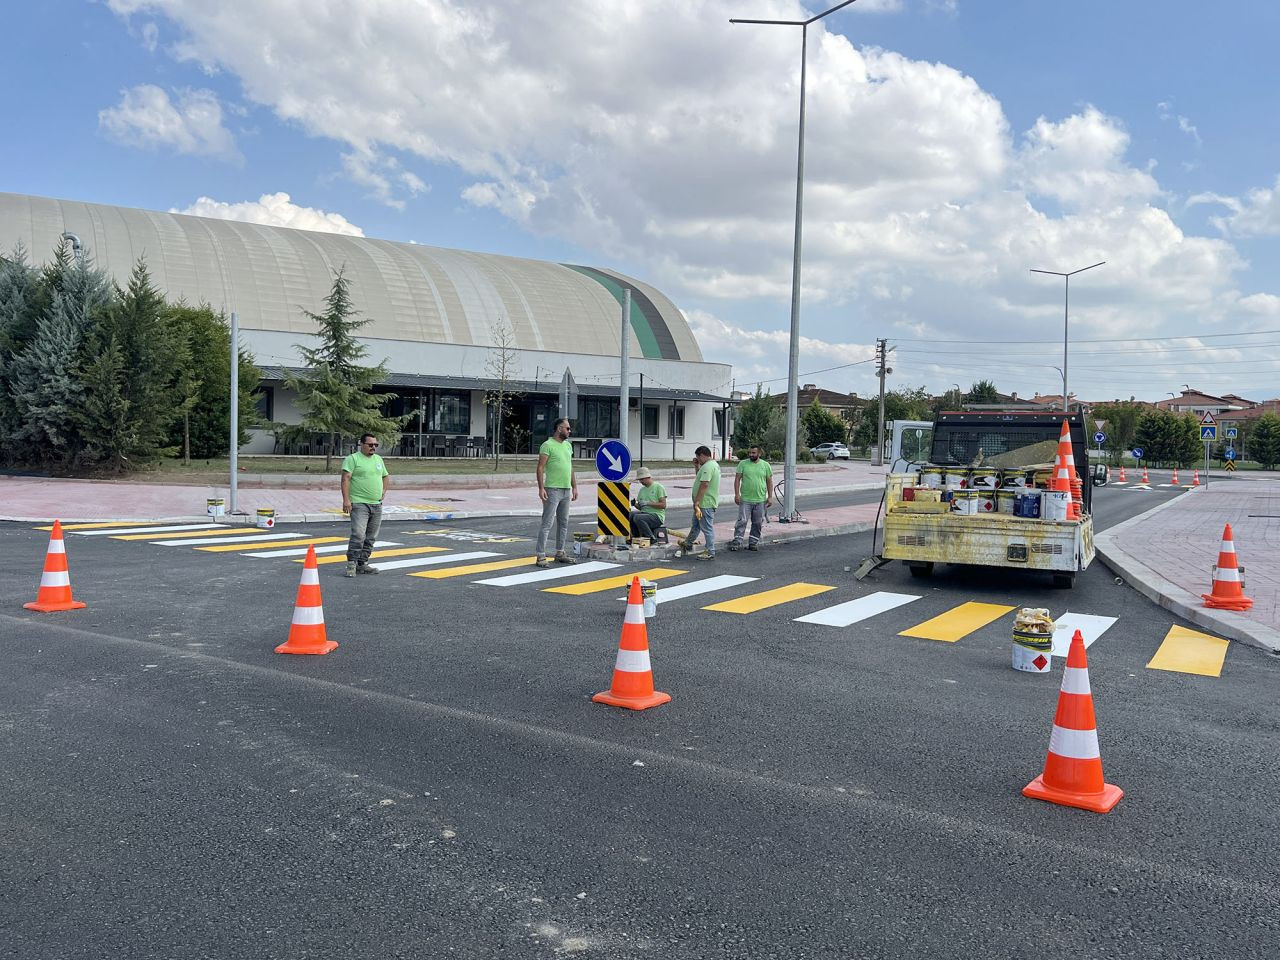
(432, 314)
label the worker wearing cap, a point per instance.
(651, 506)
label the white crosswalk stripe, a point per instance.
(1091, 627)
(555, 573)
(174, 529)
(432, 560)
(249, 538)
(696, 588)
(845, 614)
(326, 548)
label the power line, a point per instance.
(1206, 336)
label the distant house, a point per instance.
(847, 406)
(1194, 401)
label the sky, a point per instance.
(951, 147)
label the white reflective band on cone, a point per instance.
(55, 578)
(632, 661)
(1075, 680)
(60, 545)
(308, 616)
(635, 613)
(1228, 546)
(1228, 574)
(310, 575)
(1074, 744)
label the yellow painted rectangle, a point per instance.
(475, 568)
(104, 526)
(612, 583)
(185, 534)
(769, 598)
(1188, 651)
(378, 554)
(268, 544)
(958, 622)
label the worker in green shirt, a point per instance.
(364, 487)
(557, 486)
(650, 514)
(706, 497)
(753, 493)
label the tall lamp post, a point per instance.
(793, 363)
(1066, 303)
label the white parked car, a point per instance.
(832, 451)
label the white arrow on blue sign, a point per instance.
(1099, 438)
(613, 460)
(1137, 453)
(1229, 454)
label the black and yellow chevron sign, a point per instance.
(1231, 466)
(613, 508)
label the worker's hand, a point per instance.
(768, 502)
(697, 511)
(574, 495)
(542, 494)
(737, 498)
(346, 506)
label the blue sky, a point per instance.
(951, 147)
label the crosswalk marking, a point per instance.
(430, 561)
(328, 548)
(609, 583)
(769, 598)
(476, 568)
(151, 529)
(99, 526)
(846, 614)
(379, 554)
(555, 573)
(698, 587)
(1091, 628)
(227, 532)
(1188, 651)
(260, 537)
(957, 622)
(289, 540)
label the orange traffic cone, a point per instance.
(1123, 478)
(1174, 481)
(1065, 478)
(1228, 591)
(1195, 478)
(55, 582)
(1073, 768)
(1145, 479)
(632, 676)
(306, 633)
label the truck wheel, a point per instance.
(1064, 581)
(920, 569)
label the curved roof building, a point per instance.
(409, 292)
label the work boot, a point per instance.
(705, 555)
(542, 562)
(685, 545)
(351, 569)
(365, 568)
(564, 558)
(735, 544)
(754, 545)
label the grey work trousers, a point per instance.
(366, 518)
(555, 509)
(644, 524)
(707, 526)
(749, 512)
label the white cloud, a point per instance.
(1257, 215)
(273, 210)
(1080, 162)
(150, 36)
(1165, 111)
(147, 117)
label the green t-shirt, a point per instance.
(710, 472)
(559, 454)
(366, 477)
(647, 495)
(755, 488)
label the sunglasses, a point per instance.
(374, 445)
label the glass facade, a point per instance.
(597, 417)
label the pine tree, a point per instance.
(206, 369)
(751, 420)
(1264, 441)
(984, 391)
(103, 416)
(822, 426)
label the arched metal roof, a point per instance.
(409, 292)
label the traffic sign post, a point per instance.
(1209, 434)
(613, 495)
(613, 460)
(1137, 453)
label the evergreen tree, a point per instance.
(19, 286)
(1264, 441)
(103, 417)
(751, 420)
(205, 371)
(335, 393)
(1121, 425)
(823, 426)
(984, 391)
(1186, 448)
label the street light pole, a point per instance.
(793, 361)
(1066, 306)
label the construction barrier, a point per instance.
(613, 508)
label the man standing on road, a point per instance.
(651, 501)
(364, 487)
(753, 493)
(557, 486)
(706, 497)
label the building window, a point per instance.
(717, 423)
(650, 420)
(264, 399)
(675, 421)
(448, 411)
(597, 417)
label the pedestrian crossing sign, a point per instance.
(1208, 431)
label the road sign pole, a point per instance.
(1206, 464)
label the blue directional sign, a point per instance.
(1137, 453)
(1232, 432)
(1099, 438)
(1208, 431)
(1228, 454)
(613, 460)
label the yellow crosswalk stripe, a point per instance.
(1188, 651)
(378, 554)
(104, 526)
(769, 598)
(612, 583)
(475, 568)
(265, 544)
(185, 534)
(958, 622)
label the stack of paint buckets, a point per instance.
(1033, 640)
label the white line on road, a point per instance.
(431, 561)
(1091, 628)
(844, 614)
(328, 548)
(118, 531)
(570, 570)
(199, 541)
(698, 587)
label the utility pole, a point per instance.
(235, 411)
(882, 360)
(624, 390)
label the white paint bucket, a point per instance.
(966, 502)
(649, 594)
(986, 501)
(1032, 661)
(216, 507)
(1054, 505)
(266, 518)
(1004, 501)
(931, 477)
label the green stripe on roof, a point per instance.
(639, 322)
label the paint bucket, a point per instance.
(1032, 661)
(649, 594)
(216, 507)
(1004, 501)
(983, 478)
(1043, 479)
(1055, 505)
(965, 502)
(1013, 478)
(266, 518)
(1027, 504)
(958, 480)
(580, 541)
(986, 501)
(908, 494)
(931, 477)
(1032, 641)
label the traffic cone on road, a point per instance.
(632, 676)
(1123, 478)
(1195, 478)
(1228, 591)
(55, 582)
(1145, 479)
(1073, 767)
(1174, 481)
(1065, 478)
(306, 633)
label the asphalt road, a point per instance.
(441, 785)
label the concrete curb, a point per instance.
(1170, 596)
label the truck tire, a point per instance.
(920, 568)
(1064, 581)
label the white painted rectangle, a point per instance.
(698, 587)
(431, 561)
(270, 535)
(326, 548)
(174, 529)
(845, 614)
(555, 573)
(1091, 627)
